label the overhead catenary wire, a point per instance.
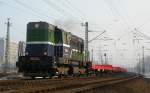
(123, 19)
(126, 14)
(59, 9)
(82, 15)
(137, 32)
(132, 30)
(51, 4)
(24, 10)
(33, 10)
(70, 9)
(96, 37)
(18, 9)
(114, 9)
(29, 9)
(142, 34)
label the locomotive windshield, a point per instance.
(39, 50)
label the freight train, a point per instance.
(107, 69)
(51, 51)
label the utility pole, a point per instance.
(101, 57)
(86, 58)
(105, 58)
(139, 65)
(92, 55)
(143, 64)
(100, 54)
(7, 48)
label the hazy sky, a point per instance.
(117, 17)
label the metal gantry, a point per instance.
(7, 47)
(86, 57)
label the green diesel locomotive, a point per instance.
(51, 51)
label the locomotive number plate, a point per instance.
(34, 58)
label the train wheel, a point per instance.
(70, 71)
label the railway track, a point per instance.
(83, 87)
(93, 86)
(66, 85)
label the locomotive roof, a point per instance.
(73, 36)
(76, 37)
(41, 22)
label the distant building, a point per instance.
(13, 54)
(13, 57)
(21, 48)
(2, 52)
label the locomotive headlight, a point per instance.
(26, 53)
(45, 53)
(57, 73)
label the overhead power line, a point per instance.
(71, 9)
(143, 24)
(33, 10)
(58, 8)
(126, 23)
(134, 31)
(142, 34)
(114, 9)
(18, 9)
(75, 8)
(96, 37)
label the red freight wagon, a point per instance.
(119, 69)
(123, 70)
(102, 67)
(116, 69)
